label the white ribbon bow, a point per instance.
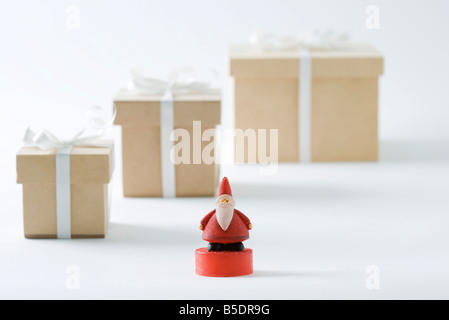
(184, 80)
(45, 139)
(308, 39)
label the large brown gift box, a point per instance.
(91, 170)
(139, 115)
(344, 99)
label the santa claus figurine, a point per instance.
(225, 228)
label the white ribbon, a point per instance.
(167, 126)
(305, 107)
(45, 140)
(181, 81)
(314, 38)
(306, 41)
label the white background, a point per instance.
(317, 227)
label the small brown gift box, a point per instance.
(91, 170)
(343, 112)
(140, 118)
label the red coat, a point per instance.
(236, 232)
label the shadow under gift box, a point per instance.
(139, 115)
(344, 99)
(91, 170)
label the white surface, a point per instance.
(316, 227)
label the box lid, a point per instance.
(144, 110)
(349, 60)
(89, 165)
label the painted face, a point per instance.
(224, 210)
(225, 201)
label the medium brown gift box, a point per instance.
(344, 99)
(139, 116)
(91, 170)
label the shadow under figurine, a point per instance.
(225, 228)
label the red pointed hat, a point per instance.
(225, 188)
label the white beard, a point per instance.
(224, 216)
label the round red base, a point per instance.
(223, 263)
